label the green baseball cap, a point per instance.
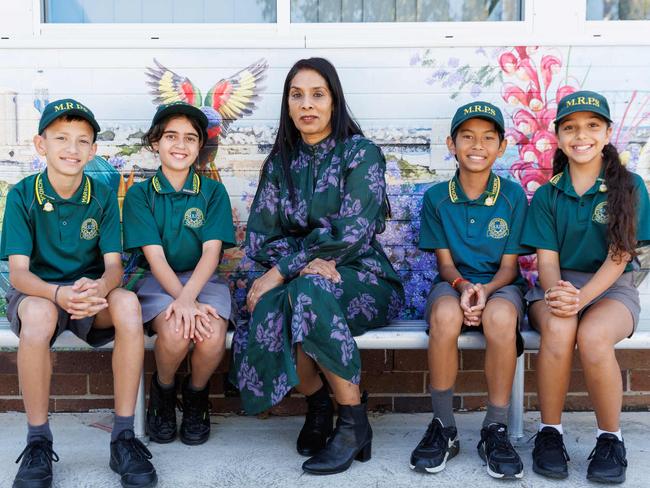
(583, 101)
(182, 108)
(478, 110)
(66, 107)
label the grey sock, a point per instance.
(442, 403)
(39, 430)
(496, 415)
(120, 424)
(164, 386)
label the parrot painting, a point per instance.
(227, 101)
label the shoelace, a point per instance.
(194, 410)
(137, 448)
(497, 439)
(605, 450)
(434, 435)
(34, 450)
(551, 441)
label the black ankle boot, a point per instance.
(161, 413)
(352, 439)
(195, 426)
(319, 423)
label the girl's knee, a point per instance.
(172, 340)
(124, 302)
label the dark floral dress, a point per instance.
(338, 209)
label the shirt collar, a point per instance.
(320, 149)
(487, 198)
(562, 181)
(46, 194)
(162, 185)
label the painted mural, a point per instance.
(402, 98)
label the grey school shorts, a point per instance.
(511, 293)
(623, 290)
(154, 299)
(82, 328)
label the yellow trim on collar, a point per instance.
(493, 194)
(39, 191)
(453, 194)
(85, 197)
(196, 183)
(556, 178)
(43, 199)
(155, 182)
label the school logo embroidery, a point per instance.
(193, 218)
(89, 229)
(498, 228)
(600, 213)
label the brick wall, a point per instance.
(397, 381)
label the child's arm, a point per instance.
(505, 275)
(560, 296)
(468, 291)
(77, 302)
(605, 277)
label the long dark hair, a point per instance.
(288, 137)
(621, 200)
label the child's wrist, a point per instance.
(458, 282)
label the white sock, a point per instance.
(557, 427)
(617, 433)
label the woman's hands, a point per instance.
(472, 302)
(327, 269)
(269, 280)
(563, 299)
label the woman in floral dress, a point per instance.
(320, 204)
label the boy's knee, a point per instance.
(124, 301)
(38, 318)
(445, 320)
(499, 323)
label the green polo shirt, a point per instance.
(477, 232)
(179, 221)
(65, 239)
(576, 226)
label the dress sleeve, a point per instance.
(265, 239)
(539, 229)
(350, 232)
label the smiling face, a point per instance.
(67, 145)
(476, 145)
(179, 144)
(582, 137)
(310, 105)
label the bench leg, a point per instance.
(516, 414)
(140, 412)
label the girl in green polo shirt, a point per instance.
(586, 224)
(181, 221)
(473, 222)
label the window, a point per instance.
(324, 11)
(618, 9)
(159, 11)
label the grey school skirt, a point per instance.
(511, 293)
(154, 299)
(623, 290)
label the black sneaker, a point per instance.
(549, 455)
(195, 426)
(130, 459)
(608, 463)
(497, 453)
(438, 445)
(36, 469)
(161, 413)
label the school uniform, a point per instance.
(179, 221)
(477, 233)
(65, 240)
(576, 228)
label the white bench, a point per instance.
(407, 334)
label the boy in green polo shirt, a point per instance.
(473, 223)
(586, 224)
(61, 236)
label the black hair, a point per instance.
(155, 132)
(342, 123)
(621, 199)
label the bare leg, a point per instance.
(499, 326)
(445, 323)
(208, 354)
(345, 392)
(170, 348)
(307, 369)
(602, 326)
(124, 314)
(558, 338)
(38, 318)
